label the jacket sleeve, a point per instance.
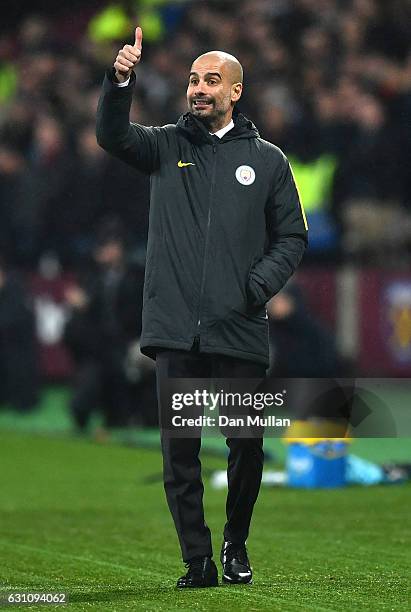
(287, 238)
(134, 144)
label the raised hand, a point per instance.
(128, 57)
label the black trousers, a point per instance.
(101, 383)
(182, 467)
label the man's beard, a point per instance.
(209, 114)
(202, 107)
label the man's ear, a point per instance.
(236, 91)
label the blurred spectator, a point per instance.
(46, 192)
(102, 335)
(304, 352)
(87, 187)
(371, 184)
(18, 355)
(12, 168)
(301, 346)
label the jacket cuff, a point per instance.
(111, 84)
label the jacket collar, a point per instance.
(223, 131)
(196, 131)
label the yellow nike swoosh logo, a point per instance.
(182, 164)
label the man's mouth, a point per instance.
(200, 104)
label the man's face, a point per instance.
(109, 254)
(210, 91)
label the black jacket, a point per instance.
(222, 239)
(112, 318)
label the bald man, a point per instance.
(226, 232)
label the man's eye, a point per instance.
(212, 82)
(193, 82)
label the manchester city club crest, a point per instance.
(245, 175)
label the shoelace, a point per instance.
(237, 552)
(195, 566)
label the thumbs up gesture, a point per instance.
(128, 57)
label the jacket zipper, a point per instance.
(197, 337)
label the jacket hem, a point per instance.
(222, 350)
(150, 346)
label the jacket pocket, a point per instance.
(255, 295)
(255, 313)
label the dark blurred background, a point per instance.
(328, 81)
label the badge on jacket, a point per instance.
(245, 175)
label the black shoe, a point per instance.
(202, 572)
(236, 566)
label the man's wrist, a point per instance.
(123, 84)
(117, 82)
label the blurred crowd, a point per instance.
(328, 81)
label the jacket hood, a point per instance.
(197, 131)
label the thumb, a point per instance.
(139, 38)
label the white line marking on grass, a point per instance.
(119, 566)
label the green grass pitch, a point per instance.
(79, 517)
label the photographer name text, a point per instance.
(225, 421)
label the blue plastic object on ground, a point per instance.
(318, 464)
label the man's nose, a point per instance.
(200, 89)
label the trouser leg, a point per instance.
(181, 465)
(184, 492)
(245, 460)
(86, 393)
(116, 391)
(244, 472)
